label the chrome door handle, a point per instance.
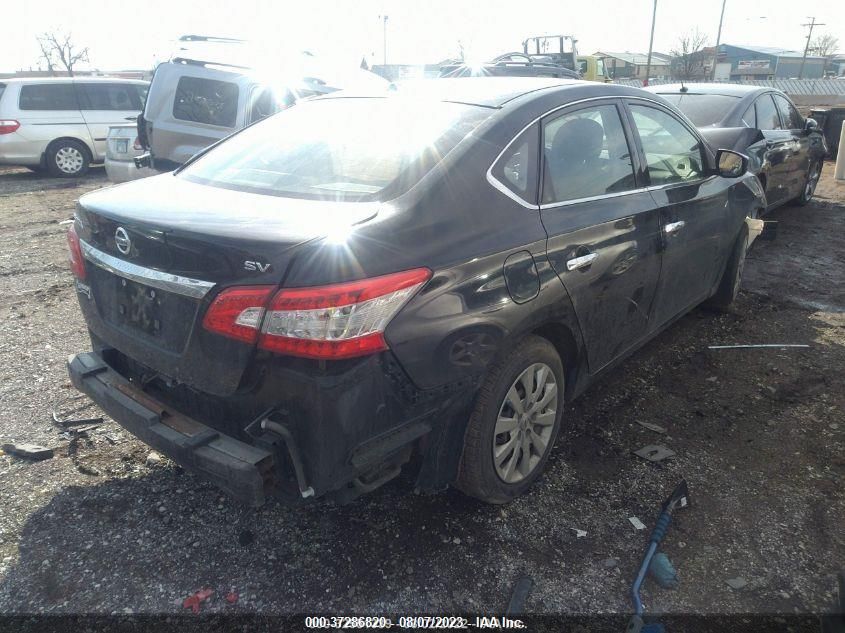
(581, 262)
(673, 227)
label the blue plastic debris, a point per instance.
(663, 572)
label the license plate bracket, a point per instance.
(139, 306)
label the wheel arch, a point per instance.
(564, 342)
(70, 138)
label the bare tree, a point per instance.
(57, 49)
(824, 45)
(689, 57)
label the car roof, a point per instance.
(489, 92)
(729, 90)
(77, 79)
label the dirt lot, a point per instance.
(759, 435)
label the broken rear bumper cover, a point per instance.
(242, 470)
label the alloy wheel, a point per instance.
(813, 175)
(69, 160)
(525, 423)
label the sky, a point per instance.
(137, 35)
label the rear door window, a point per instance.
(206, 101)
(788, 113)
(54, 96)
(2, 89)
(767, 114)
(104, 96)
(586, 154)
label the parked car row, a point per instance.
(421, 277)
(60, 125)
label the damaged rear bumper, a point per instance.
(242, 470)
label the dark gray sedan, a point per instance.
(786, 151)
(420, 279)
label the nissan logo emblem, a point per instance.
(122, 241)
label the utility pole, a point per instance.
(384, 32)
(811, 24)
(718, 41)
(650, 44)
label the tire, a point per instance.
(489, 469)
(811, 180)
(68, 158)
(732, 278)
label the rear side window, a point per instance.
(103, 96)
(517, 167)
(48, 97)
(206, 101)
(142, 90)
(767, 114)
(586, 154)
(788, 113)
(267, 102)
(2, 89)
(749, 119)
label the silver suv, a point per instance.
(61, 124)
(194, 102)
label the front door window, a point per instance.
(673, 154)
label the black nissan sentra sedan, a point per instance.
(785, 150)
(419, 279)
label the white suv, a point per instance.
(61, 124)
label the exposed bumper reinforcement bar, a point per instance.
(240, 469)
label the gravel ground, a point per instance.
(100, 528)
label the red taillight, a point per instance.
(7, 126)
(77, 263)
(327, 322)
(237, 312)
(136, 145)
(338, 321)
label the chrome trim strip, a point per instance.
(510, 194)
(564, 203)
(194, 288)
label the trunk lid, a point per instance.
(158, 250)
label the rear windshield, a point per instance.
(206, 101)
(702, 110)
(54, 96)
(339, 149)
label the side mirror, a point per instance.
(811, 125)
(731, 164)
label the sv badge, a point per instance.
(256, 266)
